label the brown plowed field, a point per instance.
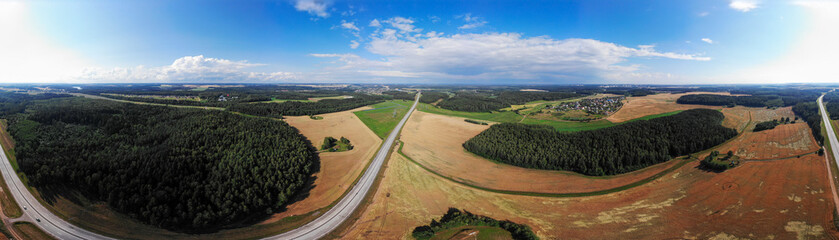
(737, 117)
(785, 199)
(635, 107)
(337, 169)
(435, 141)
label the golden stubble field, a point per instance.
(338, 170)
(435, 141)
(635, 107)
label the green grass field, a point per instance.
(384, 116)
(484, 233)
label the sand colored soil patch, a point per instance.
(337, 169)
(786, 140)
(435, 141)
(635, 107)
(757, 200)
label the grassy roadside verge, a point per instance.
(9, 204)
(833, 167)
(383, 117)
(30, 231)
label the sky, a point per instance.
(435, 42)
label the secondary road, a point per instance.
(37, 213)
(340, 212)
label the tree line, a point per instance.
(809, 112)
(757, 98)
(496, 100)
(291, 108)
(455, 218)
(401, 95)
(180, 169)
(608, 151)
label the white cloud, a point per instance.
(354, 44)
(703, 14)
(375, 23)
(185, 69)
(471, 21)
(434, 19)
(708, 40)
(743, 5)
(349, 25)
(314, 7)
(404, 25)
(490, 56)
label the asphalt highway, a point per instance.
(340, 212)
(831, 136)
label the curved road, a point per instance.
(52, 224)
(340, 212)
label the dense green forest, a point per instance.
(432, 96)
(809, 112)
(401, 95)
(180, 169)
(757, 98)
(12, 103)
(493, 101)
(608, 151)
(455, 218)
(831, 100)
(278, 110)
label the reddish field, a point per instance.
(635, 107)
(787, 140)
(785, 199)
(435, 142)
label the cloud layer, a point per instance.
(313, 7)
(186, 69)
(405, 51)
(743, 5)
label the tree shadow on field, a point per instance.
(707, 169)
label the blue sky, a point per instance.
(473, 42)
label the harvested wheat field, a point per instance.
(635, 107)
(337, 169)
(435, 141)
(785, 199)
(786, 140)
